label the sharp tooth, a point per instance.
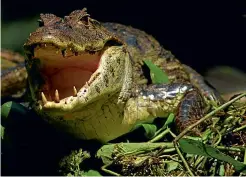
(43, 98)
(74, 91)
(45, 45)
(57, 99)
(86, 84)
(57, 51)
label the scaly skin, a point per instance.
(89, 79)
(13, 75)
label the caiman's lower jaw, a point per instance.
(66, 74)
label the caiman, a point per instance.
(90, 79)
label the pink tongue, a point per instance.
(65, 79)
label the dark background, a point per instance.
(201, 34)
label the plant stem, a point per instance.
(239, 128)
(183, 159)
(161, 135)
(208, 116)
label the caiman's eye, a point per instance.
(85, 19)
(40, 23)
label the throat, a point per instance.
(66, 79)
(65, 75)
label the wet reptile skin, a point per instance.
(119, 94)
(13, 75)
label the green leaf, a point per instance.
(158, 76)
(5, 109)
(196, 147)
(91, 173)
(222, 170)
(150, 130)
(172, 166)
(105, 153)
(12, 110)
(169, 120)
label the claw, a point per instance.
(86, 84)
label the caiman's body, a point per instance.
(89, 79)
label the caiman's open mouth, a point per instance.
(65, 72)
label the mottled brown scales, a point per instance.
(13, 73)
(13, 81)
(77, 31)
(8, 55)
(142, 46)
(193, 103)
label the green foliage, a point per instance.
(222, 170)
(91, 173)
(106, 151)
(196, 147)
(158, 76)
(170, 120)
(150, 130)
(2, 132)
(172, 166)
(12, 110)
(5, 109)
(71, 165)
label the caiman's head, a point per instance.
(73, 61)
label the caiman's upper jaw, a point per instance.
(69, 50)
(65, 73)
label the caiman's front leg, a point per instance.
(160, 100)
